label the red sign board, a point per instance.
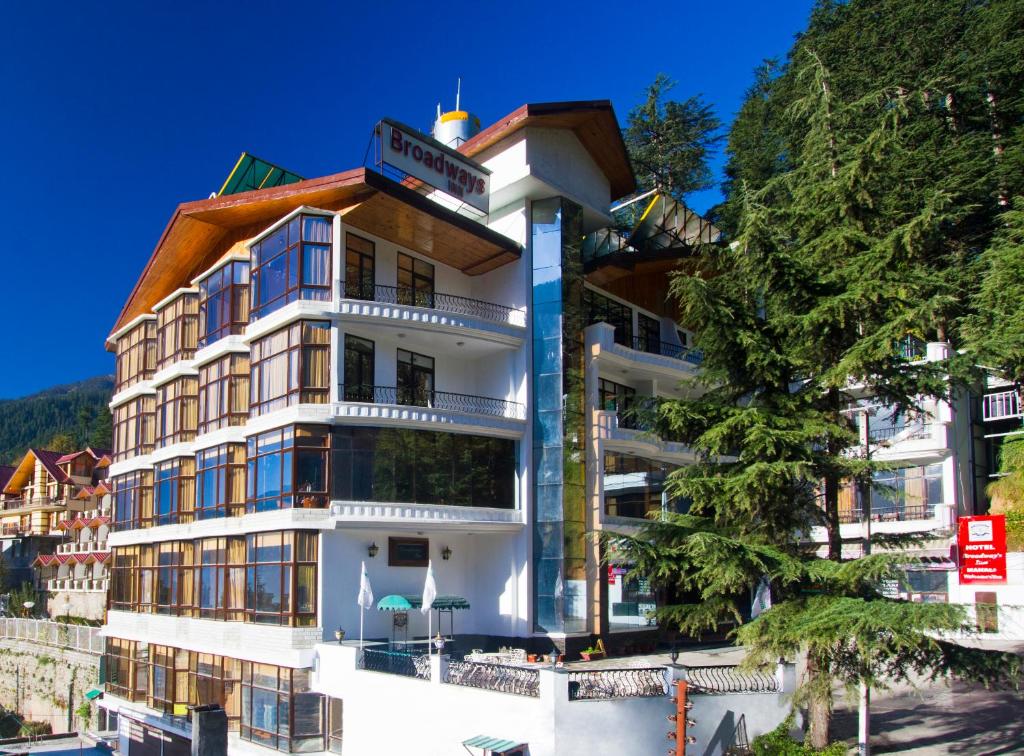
(981, 542)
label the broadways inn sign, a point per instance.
(417, 155)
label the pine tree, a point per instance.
(831, 266)
(670, 141)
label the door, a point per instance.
(359, 268)
(359, 365)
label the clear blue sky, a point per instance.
(114, 112)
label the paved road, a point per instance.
(960, 720)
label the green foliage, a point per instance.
(84, 712)
(21, 595)
(45, 660)
(778, 743)
(77, 411)
(670, 141)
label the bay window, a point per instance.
(224, 393)
(177, 411)
(291, 366)
(293, 262)
(135, 359)
(174, 491)
(287, 467)
(278, 709)
(133, 499)
(177, 330)
(223, 303)
(220, 481)
(134, 431)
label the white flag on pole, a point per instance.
(365, 599)
(429, 590)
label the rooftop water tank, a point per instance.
(456, 126)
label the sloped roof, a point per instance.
(23, 472)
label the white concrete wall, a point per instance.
(1009, 599)
(485, 569)
(435, 718)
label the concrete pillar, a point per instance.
(438, 668)
(785, 673)
(209, 731)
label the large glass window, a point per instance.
(224, 392)
(177, 411)
(649, 332)
(177, 330)
(133, 499)
(634, 487)
(216, 680)
(359, 268)
(134, 427)
(127, 665)
(220, 481)
(415, 378)
(423, 467)
(415, 281)
(292, 263)
(174, 491)
(287, 467)
(264, 578)
(614, 397)
(278, 711)
(359, 367)
(598, 308)
(906, 493)
(291, 366)
(223, 303)
(136, 355)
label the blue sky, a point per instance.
(115, 112)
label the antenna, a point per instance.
(458, 93)
(438, 110)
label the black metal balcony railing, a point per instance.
(435, 300)
(442, 400)
(606, 684)
(889, 512)
(667, 349)
(401, 663)
(906, 432)
(728, 679)
(502, 678)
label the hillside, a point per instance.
(75, 413)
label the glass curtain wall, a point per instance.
(560, 562)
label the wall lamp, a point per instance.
(446, 553)
(372, 550)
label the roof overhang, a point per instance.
(201, 232)
(592, 121)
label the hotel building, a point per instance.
(427, 358)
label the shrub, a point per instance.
(778, 743)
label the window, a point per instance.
(133, 499)
(127, 665)
(174, 491)
(650, 333)
(630, 600)
(633, 486)
(415, 281)
(134, 431)
(415, 379)
(408, 552)
(287, 468)
(224, 393)
(291, 366)
(220, 481)
(359, 268)
(278, 711)
(614, 397)
(216, 679)
(599, 308)
(177, 330)
(136, 355)
(177, 411)
(906, 493)
(264, 578)
(168, 678)
(223, 303)
(359, 376)
(291, 263)
(422, 467)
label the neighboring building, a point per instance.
(43, 490)
(358, 368)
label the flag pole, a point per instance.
(361, 613)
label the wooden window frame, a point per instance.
(397, 541)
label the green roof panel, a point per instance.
(251, 173)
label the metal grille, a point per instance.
(443, 400)
(727, 679)
(401, 663)
(502, 678)
(603, 684)
(434, 300)
(668, 349)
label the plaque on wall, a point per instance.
(408, 552)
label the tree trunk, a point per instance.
(835, 540)
(819, 705)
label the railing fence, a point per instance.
(402, 663)
(606, 684)
(56, 634)
(728, 679)
(498, 677)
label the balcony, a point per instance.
(667, 349)
(890, 512)
(86, 547)
(1002, 406)
(643, 359)
(632, 435)
(439, 301)
(40, 503)
(437, 400)
(53, 585)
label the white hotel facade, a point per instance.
(358, 368)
